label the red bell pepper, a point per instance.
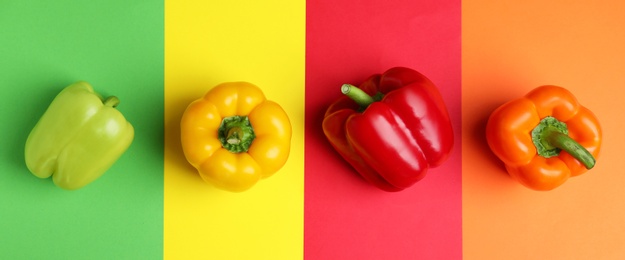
(391, 129)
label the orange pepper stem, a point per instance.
(359, 96)
(551, 137)
(236, 134)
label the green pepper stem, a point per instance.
(111, 101)
(358, 95)
(551, 136)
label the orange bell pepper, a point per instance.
(544, 137)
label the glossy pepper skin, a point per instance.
(544, 137)
(234, 136)
(78, 138)
(395, 136)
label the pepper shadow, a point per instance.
(22, 116)
(174, 154)
(478, 135)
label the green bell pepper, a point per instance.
(78, 138)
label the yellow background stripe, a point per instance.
(207, 43)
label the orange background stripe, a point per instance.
(508, 48)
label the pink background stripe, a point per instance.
(346, 218)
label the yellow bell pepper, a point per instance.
(234, 136)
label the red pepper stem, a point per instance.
(111, 101)
(358, 95)
(550, 137)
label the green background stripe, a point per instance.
(117, 46)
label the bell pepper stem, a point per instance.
(111, 101)
(551, 136)
(358, 95)
(567, 144)
(236, 134)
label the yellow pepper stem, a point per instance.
(551, 137)
(236, 134)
